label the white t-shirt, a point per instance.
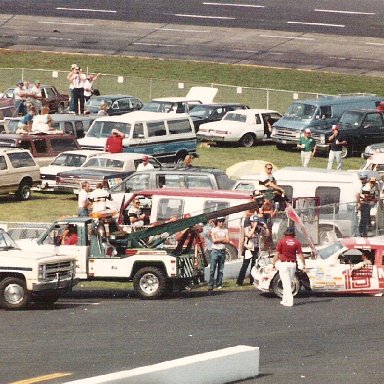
(143, 167)
(99, 198)
(40, 123)
(220, 233)
(83, 198)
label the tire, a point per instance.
(13, 293)
(277, 286)
(60, 108)
(150, 283)
(231, 253)
(248, 140)
(24, 191)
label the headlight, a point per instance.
(42, 274)
(298, 135)
(322, 139)
(274, 130)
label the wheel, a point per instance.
(150, 283)
(60, 108)
(248, 140)
(277, 286)
(327, 234)
(13, 293)
(230, 253)
(24, 191)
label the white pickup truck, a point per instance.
(243, 126)
(31, 276)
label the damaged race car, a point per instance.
(350, 265)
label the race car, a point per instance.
(338, 268)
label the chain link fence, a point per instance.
(147, 89)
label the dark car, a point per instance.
(43, 147)
(116, 104)
(205, 113)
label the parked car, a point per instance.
(68, 123)
(333, 271)
(244, 127)
(372, 149)
(375, 163)
(205, 113)
(43, 147)
(116, 104)
(66, 161)
(196, 95)
(7, 109)
(183, 178)
(110, 167)
(358, 127)
(52, 98)
(18, 172)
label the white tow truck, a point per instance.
(31, 276)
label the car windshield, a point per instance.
(103, 129)
(351, 119)
(201, 111)
(7, 142)
(301, 111)
(6, 242)
(233, 116)
(158, 106)
(69, 160)
(96, 102)
(103, 162)
(325, 253)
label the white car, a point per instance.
(375, 163)
(245, 127)
(65, 161)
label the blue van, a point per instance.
(316, 114)
(161, 135)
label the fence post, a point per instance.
(267, 99)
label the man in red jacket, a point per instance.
(286, 251)
(114, 143)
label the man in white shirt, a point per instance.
(99, 198)
(145, 165)
(83, 201)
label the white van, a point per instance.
(162, 204)
(162, 135)
(335, 191)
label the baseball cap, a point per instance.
(221, 218)
(145, 157)
(114, 130)
(307, 130)
(363, 176)
(290, 231)
(73, 66)
(254, 218)
(20, 82)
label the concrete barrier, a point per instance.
(217, 367)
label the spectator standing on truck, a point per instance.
(220, 238)
(77, 79)
(287, 250)
(36, 96)
(337, 142)
(98, 197)
(83, 201)
(114, 143)
(267, 179)
(253, 234)
(19, 95)
(308, 147)
(88, 85)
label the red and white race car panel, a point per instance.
(338, 268)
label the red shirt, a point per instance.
(288, 247)
(114, 144)
(71, 239)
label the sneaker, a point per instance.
(219, 287)
(285, 304)
(210, 289)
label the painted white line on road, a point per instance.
(368, 60)
(156, 44)
(59, 38)
(183, 30)
(67, 302)
(337, 58)
(28, 37)
(317, 24)
(65, 23)
(345, 12)
(376, 44)
(86, 10)
(235, 5)
(288, 37)
(39, 379)
(204, 17)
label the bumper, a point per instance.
(57, 284)
(212, 138)
(285, 141)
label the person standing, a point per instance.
(267, 179)
(336, 145)
(20, 95)
(77, 79)
(220, 238)
(114, 143)
(99, 198)
(308, 147)
(37, 96)
(83, 201)
(287, 250)
(145, 165)
(88, 86)
(253, 233)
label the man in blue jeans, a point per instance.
(220, 238)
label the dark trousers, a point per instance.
(245, 265)
(365, 218)
(78, 100)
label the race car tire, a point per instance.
(150, 283)
(277, 286)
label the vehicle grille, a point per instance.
(282, 133)
(61, 270)
(48, 177)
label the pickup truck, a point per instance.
(31, 276)
(109, 167)
(359, 128)
(245, 127)
(18, 173)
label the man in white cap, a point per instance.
(308, 147)
(145, 165)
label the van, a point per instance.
(166, 203)
(162, 135)
(318, 115)
(334, 192)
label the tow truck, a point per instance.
(106, 253)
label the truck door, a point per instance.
(372, 129)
